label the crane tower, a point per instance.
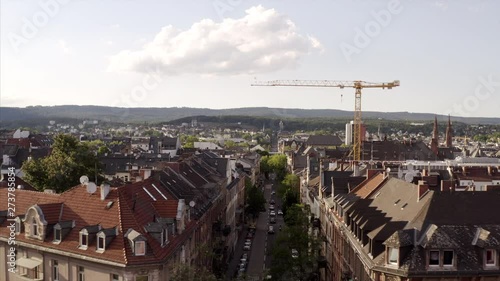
(357, 85)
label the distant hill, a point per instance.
(123, 115)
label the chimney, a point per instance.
(355, 169)
(104, 191)
(464, 170)
(447, 186)
(370, 173)
(415, 236)
(490, 171)
(423, 188)
(424, 173)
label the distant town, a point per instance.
(247, 198)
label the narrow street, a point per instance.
(260, 252)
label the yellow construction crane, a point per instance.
(358, 85)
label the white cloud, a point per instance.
(441, 4)
(261, 41)
(109, 42)
(115, 26)
(63, 45)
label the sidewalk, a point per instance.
(238, 251)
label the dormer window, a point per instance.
(444, 258)
(392, 256)
(88, 235)
(84, 240)
(101, 242)
(137, 242)
(61, 230)
(164, 236)
(34, 227)
(19, 224)
(57, 235)
(140, 248)
(433, 258)
(104, 237)
(490, 257)
(448, 257)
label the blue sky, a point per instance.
(207, 53)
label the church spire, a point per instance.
(435, 137)
(449, 133)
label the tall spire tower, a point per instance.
(435, 137)
(449, 133)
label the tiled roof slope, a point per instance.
(132, 208)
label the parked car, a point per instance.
(247, 247)
(295, 253)
(272, 220)
(280, 213)
(271, 207)
(272, 213)
(272, 202)
(270, 230)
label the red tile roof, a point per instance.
(367, 187)
(133, 208)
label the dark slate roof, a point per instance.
(329, 176)
(461, 208)
(456, 237)
(397, 151)
(233, 184)
(299, 161)
(323, 140)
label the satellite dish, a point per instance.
(388, 170)
(191, 204)
(91, 187)
(84, 179)
(409, 177)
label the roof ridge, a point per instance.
(120, 223)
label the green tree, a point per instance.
(62, 169)
(229, 144)
(289, 190)
(188, 141)
(152, 133)
(278, 165)
(185, 272)
(247, 137)
(255, 199)
(299, 235)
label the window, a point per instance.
(393, 256)
(140, 248)
(18, 226)
(57, 235)
(100, 243)
(434, 258)
(491, 257)
(447, 258)
(114, 277)
(84, 240)
(164, 236)
(55, 270)
(141, 278)
(34, 227)
(81, 273)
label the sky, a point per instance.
(206, 54)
